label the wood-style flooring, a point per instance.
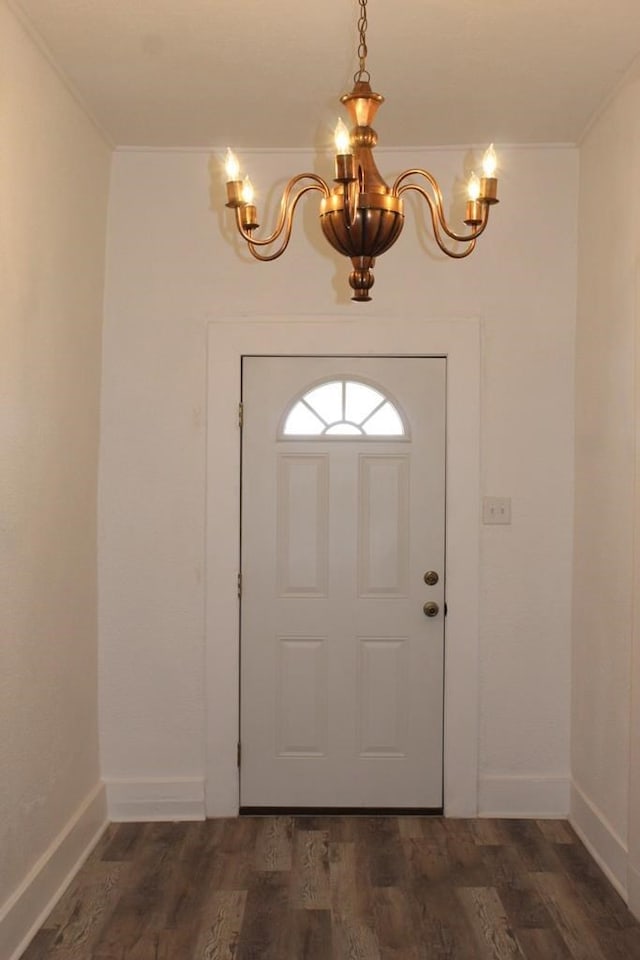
(340, 888)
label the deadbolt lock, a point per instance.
(431, 609)
(431, 578)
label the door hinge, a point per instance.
(239, 752)
(241, 415)
(239, 585)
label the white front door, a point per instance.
(343, 484)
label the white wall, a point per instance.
(172, 267)
(607, 498)
(54, 170)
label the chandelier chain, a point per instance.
(362, 73)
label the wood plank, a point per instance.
(123, 841)
(494, 936)
(489, 832)
(354, 940)
(502, 865)
(379, 839)
(86, 911)
(523, 903)
(466, 863)
(264, 931)
(310, 935)
(411, 827)
(310, 871)
(557, 831)
(274, 844)
(569, 918)
(602, 903)
(393, 918)
(220, 930)
(441, 924)
(351, 904)
(545, 944)
(537, 853)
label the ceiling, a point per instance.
(267, 73)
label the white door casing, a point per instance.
(341, 671)
(230, 340)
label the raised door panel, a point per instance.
(383, 528)
(303, 525)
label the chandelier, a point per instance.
(361, 216)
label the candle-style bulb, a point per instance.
(342, 138)
(489, 162)
(248, 192)
(473, 187)
(231, 165)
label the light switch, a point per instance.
(496, 510)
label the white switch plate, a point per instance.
(496, 510)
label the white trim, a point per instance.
(28, 907)
(523, 796)
(216, 150)
(459, 341)
(178, 798)
(599, 837)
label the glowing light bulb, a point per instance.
(231, 165)
(489, 162)
(473, 187)
(342, 138)
(248, 192)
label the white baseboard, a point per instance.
(28, 907)
(180, 798)
(523, 796)
(601, 840)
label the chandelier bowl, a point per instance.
(376, 226)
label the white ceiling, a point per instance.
(268, 73)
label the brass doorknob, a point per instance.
(431, 609)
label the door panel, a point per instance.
(341, 672)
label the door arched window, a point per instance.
(346, 408)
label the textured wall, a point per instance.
(171, 269)
(54, 170)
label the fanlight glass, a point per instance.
(344, 408)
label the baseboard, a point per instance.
(601, 840)
(26, 910)
(523, 796)
(180, 798)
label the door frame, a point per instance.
(341, 335)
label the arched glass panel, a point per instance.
(344, 408)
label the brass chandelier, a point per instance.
(361, 216)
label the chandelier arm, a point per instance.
(435, 221)
(399, 188)
(317, 184)
(287, 225)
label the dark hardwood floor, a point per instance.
(339, 888)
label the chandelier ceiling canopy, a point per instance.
(361, 215)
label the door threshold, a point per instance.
(341, 811)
